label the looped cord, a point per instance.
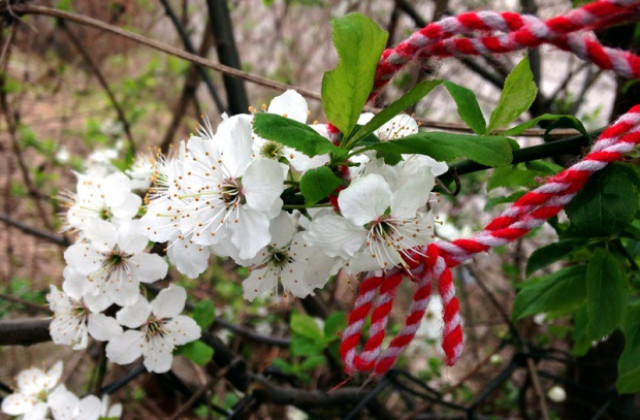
(530, 211)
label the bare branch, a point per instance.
(33, 231)
(24, 332)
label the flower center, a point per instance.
(105, 214)
(279, 257)
(271, 150)
(231, 192)
(154, 328)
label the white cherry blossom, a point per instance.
(161, 328)
(101, 199)
(290, 105)
(378, 225)
(289, 260)
(115, 262)
(65, 405)
(73, 321)
(32, 392)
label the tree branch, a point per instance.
(24, 332)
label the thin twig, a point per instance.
(97, 24)
(33, 231)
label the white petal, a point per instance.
(102, 235)
(259, 282)
(190, 259)
(53, 375)
(130, 238)
(234, 139)
(365, 200)
(135, 315)
(401, 125)
(74, 283)
(293, 280)
(365, 117)
(251, 233)
(336, 236)
(102, 327)
(63, 404)
(89, 408)
(83, 258)
(38, 412)
(290, 105)
(412, 194)
(58, 302)
(125, 348)
(148, 268)
(124, 292)
(16, 404)
(169, 302)
(262, 183)
(182, 330)
(281, 230)
(128, 208)
(157, 355)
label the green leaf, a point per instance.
(318, 183)
(518, 94)
(560, 292)
(581, 340)
(607, 203)
(549, 254)
(567, 121)
(486, 150)
(313, 362)
(305, 326)
(628, 366)
(197, 351)
(606, 293)
(414, 95)
(293, 134)
(303, 346)
(468, 107)
(334, 323)
(204, 313)
(359, 42)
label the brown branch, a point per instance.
(24, 332)
(103, 82)
(38, 233)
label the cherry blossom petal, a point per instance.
(102, 327)
(251, 233)
(158, 355)
(89, 408)
(135, 315)
(260, 281)
(16, 404)
(190, 259)
(412, 194)
(169, 302)
(125, 348)
(262, 184)
(83, 258)
(148, 268)
(336, 236)
(182, 330)
(365, 200)
(290, 105)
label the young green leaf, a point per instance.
(486, 150)
(410, 98)
(334, 323)
(359, 42)
(197, 351)
(560, 292)
(318, 183)
(468, 107)
(606, 293)
(204, 313)
(628, 366)
(607, 203)
(293, 134)
(305, 326)
(549, 254)
(518, 94)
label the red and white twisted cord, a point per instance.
(529, 212)
(523, 31)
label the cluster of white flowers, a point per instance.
(106, 266)
(39, 394)
(220, 193)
